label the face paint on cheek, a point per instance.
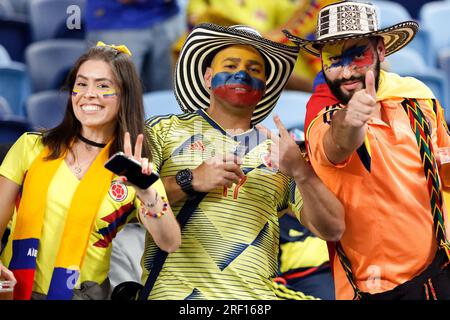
(365, 60)
(109, 93)
(356, 56)
(330, 51)
(237, 88)
(75, 92)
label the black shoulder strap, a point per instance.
(160, 257)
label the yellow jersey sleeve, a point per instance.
(156, 130)
(292, 200)
(21, 156)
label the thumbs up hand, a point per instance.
(362, 104)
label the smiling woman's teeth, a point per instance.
(90, 107)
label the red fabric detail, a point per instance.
(321, 98)
(331, 253)
(118, 213)
(280, 280)
(300, 274)
(24, 285)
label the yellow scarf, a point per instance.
(392, 85)
(77, 229)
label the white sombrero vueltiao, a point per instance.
(205, 41)
(351, 20)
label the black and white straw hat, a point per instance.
(205, 41)
(351, 20)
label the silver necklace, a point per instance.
(77, 167)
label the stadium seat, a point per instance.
(49, 61)
(291, 108)
(5, 109)
(5, 59)
(46, 109)
(6, 10)
(422, 44)
(434, 17)
(15, 87)
(391, 13)
(48, 19)
(406, 61)
(437, 81)
(15, 37)
(160, 103)
(444, 62)
(11, 128)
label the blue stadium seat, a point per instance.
(6, 9)
(4, 56)
(48, 19)
(11, 128)
(422, 44)
(444, 65)
(444, 61)
(406, 61)
(46, 109)
(160, 103)
(391, 13)
(438, 82)
(15, 37)
(291, 108)
(5, 109)
(15, 87)
(434, 17)
(49, 61)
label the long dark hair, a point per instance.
(131, 107)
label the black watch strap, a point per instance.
(184, 180)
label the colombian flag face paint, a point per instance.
(75, 91)
(356, 56)
(238, 88)
(109, 94)
(238, 76)
(105, 93)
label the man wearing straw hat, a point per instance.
(218, 170)
(373, 138)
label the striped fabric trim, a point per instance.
(203, 43)
(326, 116)
(421, 130)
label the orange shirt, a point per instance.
(389, 234)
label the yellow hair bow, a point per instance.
(121, 48)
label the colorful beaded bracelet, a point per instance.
(146, 212)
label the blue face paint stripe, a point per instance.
(348, 56)
(241, 77)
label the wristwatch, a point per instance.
(184, 180)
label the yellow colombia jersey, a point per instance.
(117, 208)
(230, 243)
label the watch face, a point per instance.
(184, 176)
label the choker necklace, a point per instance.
(90, 142)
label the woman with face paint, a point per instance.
(71, 207)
